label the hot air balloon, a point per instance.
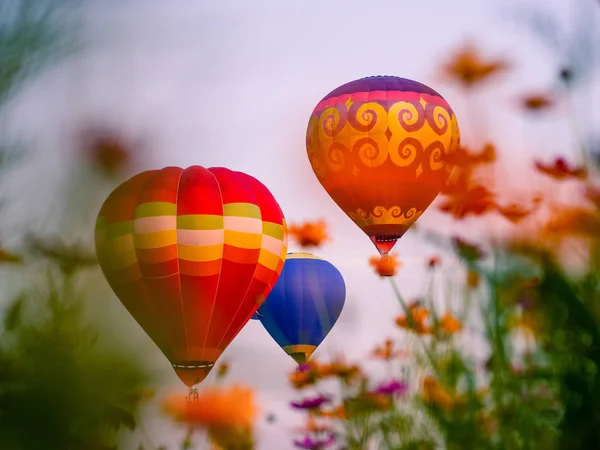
(304, 304)
(378, 146)
(191, 253)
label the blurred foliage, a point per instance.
(33, 33)
(58, 388)
(61, 387)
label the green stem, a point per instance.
(413, 325)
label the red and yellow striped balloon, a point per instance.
(191, 253)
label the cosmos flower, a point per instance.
(310, 234)
(385, 266)
(214, 406)
(560, 170)
(393, 387)
(311, 402)
(469, 68)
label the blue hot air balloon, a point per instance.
(304, 304)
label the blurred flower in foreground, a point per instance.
(469, 68)
(226, 413)
(316, 443)
(387, 351)
(514, 213)
(537, 102)
(450, 324)
(310, 234)
(416, 319)
(393, 387)
(561, 170)
(106, 150)
(463, 196)
(311, 402)
(434, 394)
(386, 265)
(575, 221)
(466, 159)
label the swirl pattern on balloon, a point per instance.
(371, 152)
(436, 155)
(332, 122)
(368, 117)
(385, 216)
(405, 153)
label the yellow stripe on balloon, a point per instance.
(238, 239)
(121, 243)
(155, 240)
(275, 230)
(302, 255)
(200, 253)
(269, 260)
(242, 210)
(117, 229)
(200, 222)
(152, 209)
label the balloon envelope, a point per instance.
(191, 253)
(378, 145)
(304, 304)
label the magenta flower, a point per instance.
(310, 443)
(311, 402)
(392, 388)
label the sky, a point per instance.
(232, 83)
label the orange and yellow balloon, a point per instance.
(191, 253)
(378, 146)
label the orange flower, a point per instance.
(462, 200)
(575, 221)
(450, 324)
(434, 394)
(561, 170)
(336, 413)
(537, 102)
(472, 279)
(416, 320)
(301, 379)
(468, 68)
(385, 266)
(387, 351)
(342, 370)
(214, 407)
(514, 213)
(310, 234)
(466, 159)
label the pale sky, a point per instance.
(233, 83)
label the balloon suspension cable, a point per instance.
(192, 396)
